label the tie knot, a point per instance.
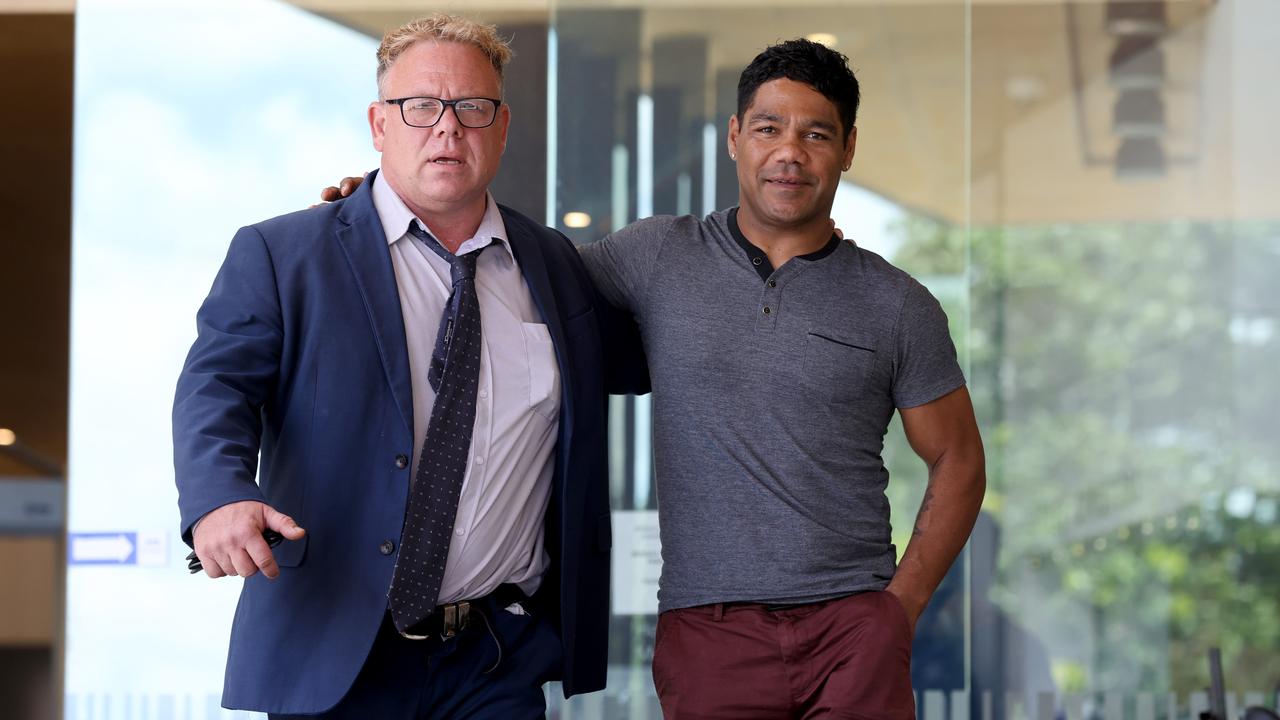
(461, 267)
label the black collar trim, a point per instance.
(760, 261)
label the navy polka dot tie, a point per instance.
(433, 500)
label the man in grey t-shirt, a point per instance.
(778, 354)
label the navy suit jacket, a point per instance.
(301, 358)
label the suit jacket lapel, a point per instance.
(365, 244)
(533, 265)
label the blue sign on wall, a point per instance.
(107, 548)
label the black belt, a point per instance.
(449, 619)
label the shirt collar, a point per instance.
(761, 261)
(396, 216)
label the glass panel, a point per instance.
(1089, 188)
(1123, 251)
(643, 94)
(191, 120)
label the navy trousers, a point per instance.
(451, 679)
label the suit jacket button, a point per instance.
(387, 547)
(402, 461)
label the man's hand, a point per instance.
(344, 189)
(229, 540)
(913, 611)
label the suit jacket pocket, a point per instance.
(291, 553)
(837, 363)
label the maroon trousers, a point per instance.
(844, 658)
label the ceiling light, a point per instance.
(1140, 158)
(577, 219)
(1137, 63)
(822, 38)
(1139, 113)
(1024, 88)
(1136, 17)
(7, 436)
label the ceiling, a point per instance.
(37, 7)
(993, 113)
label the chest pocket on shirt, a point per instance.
(837, 363)
(544, 374)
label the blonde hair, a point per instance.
(442, 27)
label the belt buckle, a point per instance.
(456, 616)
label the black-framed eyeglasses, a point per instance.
(425, 112)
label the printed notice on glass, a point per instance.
(637, 562)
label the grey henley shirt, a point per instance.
(772, 393)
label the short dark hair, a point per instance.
(811, 63)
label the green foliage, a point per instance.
(1125, 377)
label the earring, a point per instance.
(733, 157)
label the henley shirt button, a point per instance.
(756, 261)
(387, 547)
(766, 309)
(402, 461)
(773, 283)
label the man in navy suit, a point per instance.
(316, 349)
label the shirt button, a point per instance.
(479, 460)
(402, 461)
(773, 283)
(766, 310)
(756, 261)
(484, 394)
(387, 547)
(459, 532)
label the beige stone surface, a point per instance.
(29, 608)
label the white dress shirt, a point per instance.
(498, 531)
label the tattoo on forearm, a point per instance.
(924, 509)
